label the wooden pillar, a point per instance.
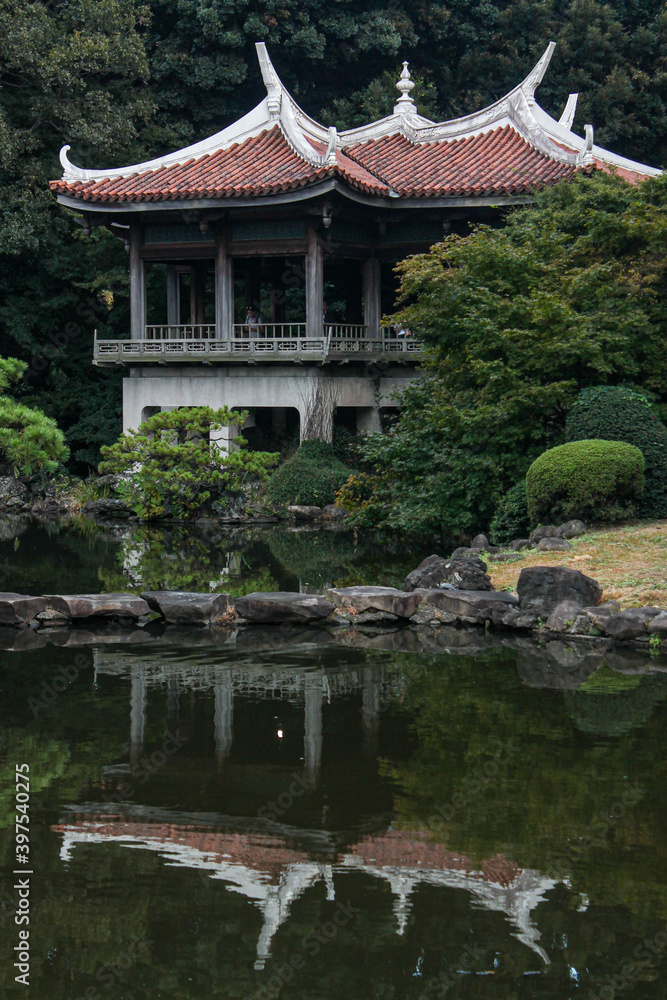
(199, 286)
(224, 288)
(173, 296)
(314, 285)
(137, 285)
(372, 297)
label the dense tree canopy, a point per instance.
(120, 80)
(571, 292)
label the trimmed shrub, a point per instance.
(311, 476)
(614, 413)
(511, 519)
(593, 480)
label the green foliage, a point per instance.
(511, 518)
(311, 476)
(29, 441)
(595, 480)
(572, 292)
(170, 468)
(616, 413)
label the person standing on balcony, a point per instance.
(254, 323)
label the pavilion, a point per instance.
(261, 258)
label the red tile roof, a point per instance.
(499, 162)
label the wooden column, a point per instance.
(372, 297)
(173, 296)
(199, 284)
(224, 288)
(137, 286)
(314, 284)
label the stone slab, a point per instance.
(19, 609)
(181, 607)
(283, 607)
(82, 606)
(401, 603)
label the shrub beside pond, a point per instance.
(594, 480)
(311, 476)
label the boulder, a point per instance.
(283, 607)
(519, 544)
(179, 607)
(600, 616)
(543, 588)
(553, 544)
(428, 574)
(12, 489)
(388, 599)
(463, 571)
(571, 529)
(544, 531)
(82, 606)
(19, 609)
(303, 513)
(514, 618)
(631, 623)
(469, 604)
(52, 619)
(108, 507)
(333, 513)
(480, 542)
(658, 625)
(564, 617)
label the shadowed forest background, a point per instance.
(122, 81)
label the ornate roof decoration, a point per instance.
(511, 147)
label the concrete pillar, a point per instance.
(372, 297)
(223, 439)
(368, 420)
(137, 713)
(224, 288)
(312, 743)
(314, 285)
(224, 716)
(173, 296)
(137, 285)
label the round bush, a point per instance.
(593, 480)
(311, 476)
(614, 413)
(511, 519)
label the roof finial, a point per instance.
(405, 105)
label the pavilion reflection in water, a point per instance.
(272, 864)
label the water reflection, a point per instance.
(78, 556)
(315, 819)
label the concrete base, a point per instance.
(315, 392)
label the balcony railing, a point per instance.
(270, 342)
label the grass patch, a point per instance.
(629, 561)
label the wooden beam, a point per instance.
(314, 284)
(224, 287)
(372, 300)
(137, 285)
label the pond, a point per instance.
(245, 815)
(78, 556)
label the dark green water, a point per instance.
(312, 818)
